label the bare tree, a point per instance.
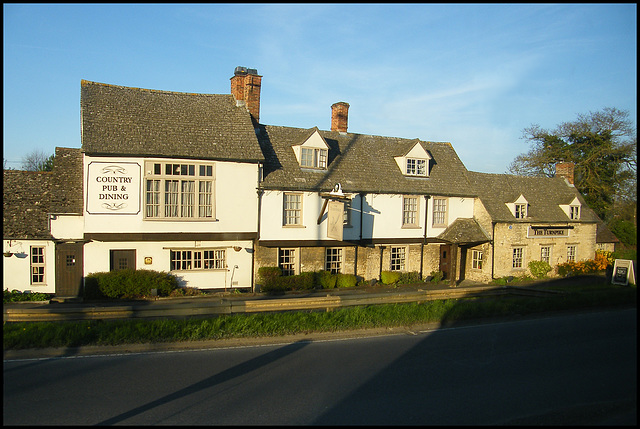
(37, 160)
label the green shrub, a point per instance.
(326, 280)
(346, 280)
(539, 269)
(281, 284)
(436, 276)
(17, 296)
(390, 277)
(265, 274)
(410, 278)
(129, 284)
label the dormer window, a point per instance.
(416, 167)
(519, 208)
(313, 158)
(415, 162)
(574, 212)
(313, 152)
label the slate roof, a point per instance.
(118, 120)
(25, 205)
(604, 235)
(544, 194)
(360, 163)
(464, 231)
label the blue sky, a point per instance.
(471, 75)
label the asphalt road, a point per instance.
(567, 369)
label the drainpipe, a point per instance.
(493, 248)
(424, 239)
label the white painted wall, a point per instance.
(16, 269)
(67, 227)
(96, 259)
(235, 201)
(381, 218)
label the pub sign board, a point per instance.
(623, 272)
(113, 187)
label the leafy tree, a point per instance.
(602, 145)
(37, 161)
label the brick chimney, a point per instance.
(245, 86)
(565, 169)
(339, 116)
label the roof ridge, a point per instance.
(84, 82)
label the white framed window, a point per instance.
(574, 212)
(398, 257)
(288, 261)
(292, 209)
(521, 211)
(410, 211)
(518, 257)
(571, 253)
(37, 265)
(545, 254)
(439, 212)
(416, 167)
(179, 191)
(476, 257)
(201, 259)
(313, 157)
(333, 260)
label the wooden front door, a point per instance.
(69, 269)
(445, 258)
(122, 259)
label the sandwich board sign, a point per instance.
(623, 273)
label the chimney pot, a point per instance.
(245, 87)
(339, 116)
(565, 169)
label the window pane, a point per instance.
(171, 198)
(410, 211)
(397, 258)
(333, 260)
(188, 198)
(292, 209)
(205, 205)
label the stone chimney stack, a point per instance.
(565, 169)
(245, 87)
(339, 116)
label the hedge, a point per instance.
(128, 284)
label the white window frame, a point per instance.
(572, 251)
(291, 209)
(416, 167)
(410, 211)
(520, 210)
(476, 257)
(311, 157)
(179, 191)
(333, 259)
(288, 261)
(574, 212)
(518, 258)
(200, 259)
(37, 265)
(545, 254)
(398, 258)
(440, 209)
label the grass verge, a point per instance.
(26, 335)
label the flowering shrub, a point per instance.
(603, 259)
(600, 263)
